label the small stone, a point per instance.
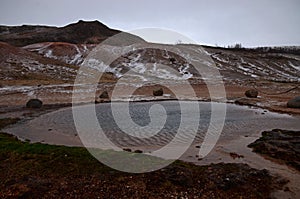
(127, 149)
(251, 93)
(294, 103)
(138, 151)
(172, 60)
(34, 103)
(158, 92)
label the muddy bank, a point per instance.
(271, 95)
(280, 145)
(39, 170)
(241, 128)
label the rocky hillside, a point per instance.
(255, 64)
(17, 64)
(42, 53)
(233, 64)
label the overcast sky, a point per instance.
(221, 22)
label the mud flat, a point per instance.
(243, 126)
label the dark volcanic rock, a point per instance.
(158, 92)
(283, 145)
(138, 151)
(294, 103)
(251, 93)
(34, 103)
(104, 95)
(127, 149)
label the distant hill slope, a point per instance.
(254, 64)
(17, 64)
(233, 64)
(82, 32)
(54, 54)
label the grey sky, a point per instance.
(222, 22)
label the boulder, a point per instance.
(251, 93)
(104, 95)
(158, 92)
(34, 103)
(294, 103)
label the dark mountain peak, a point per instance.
(82, 23)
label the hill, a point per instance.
(82, 32)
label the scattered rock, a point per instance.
(138, 151)
(158, 92)
(104, 95)
(251, 93)
(34, 103)
(294, 103)
(172, 60)
(127, 149)
(235, 155)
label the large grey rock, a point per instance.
(251, 93)
(34, 103)
(158, 92)
(294, 103)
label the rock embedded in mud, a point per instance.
(294, 103)
(127, 149)
(251, 93)
(246, 101)
(158, 92)
(104, 95)
(34, 103)
(138, 151)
